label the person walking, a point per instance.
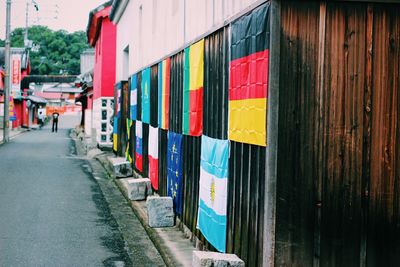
(41, 118)
(55, 121)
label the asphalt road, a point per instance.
(52, 212)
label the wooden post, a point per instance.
(272, 136)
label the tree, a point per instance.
(59, 51)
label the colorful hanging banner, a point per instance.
(146, 95)
(164, 74)
(213, 191)
(119, 99)
(115, 134)
(128, 154)
(15, 72)
(139, 146)
(153, 156)
(133, 97)
(248, 88)
(11, 108)
(174, 174)
(193, 80)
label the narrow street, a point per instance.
(52, 211)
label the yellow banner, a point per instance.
(247, 121)
(196, 59)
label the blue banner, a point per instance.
(146, 96)
(174, 165)
(213, 187)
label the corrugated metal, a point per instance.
(145, 146)
(162, 161)
(154, 96)
(246, 202)
(216, 68)
(191, 177)
(139, 96)
(176, 93)
(338, 160)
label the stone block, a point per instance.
(138, 189)
(121, 167)
(208, 259)
(160, 211)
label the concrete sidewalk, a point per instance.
(174, 246)
(12, 133)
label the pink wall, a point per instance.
(105, 58)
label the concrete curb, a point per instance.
(138, 208)
(172, 244)
(142, 216)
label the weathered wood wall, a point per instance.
(338, 192)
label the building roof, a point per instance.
(117, 9)
(96, 17)
(37, 99)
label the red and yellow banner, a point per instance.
(164, 76)
(248, 87)
(193, 89)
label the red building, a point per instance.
(101, 34)
(19, 68)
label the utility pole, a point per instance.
(6, 120)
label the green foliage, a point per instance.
(59, 51)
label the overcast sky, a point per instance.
(70, 15)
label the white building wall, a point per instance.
(154, 29)
(124, 39)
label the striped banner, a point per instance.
(115, 134)
(119, 99)
(128, 155)
(193, 80)
(153, 156)
(164, 76)
(133, 97)
(139, 146)
(212, 215)
(248, 90)
(146, 95)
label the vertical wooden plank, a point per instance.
(295, 199)
(271, 159)
(319, 133)
(341, 202)
(383, 246)
(367, 136)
